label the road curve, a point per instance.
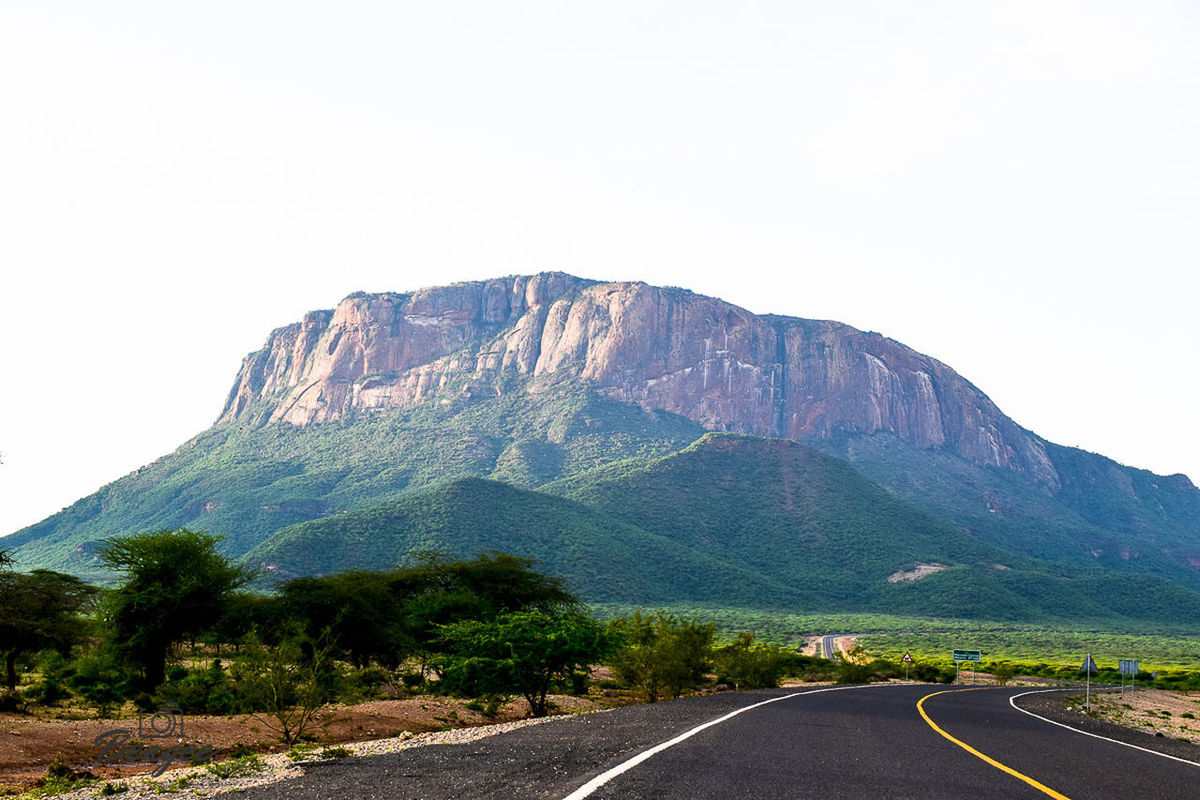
(829, 645)
(819, 743)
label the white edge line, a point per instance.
(1012, 702)
(604, 777)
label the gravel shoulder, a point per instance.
(197, 782)
(534, 758)
(28, 744)
(1110, 717)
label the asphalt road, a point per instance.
(862, 742)
(829, 643)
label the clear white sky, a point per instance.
(1011, 187)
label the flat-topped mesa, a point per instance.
(660, 348)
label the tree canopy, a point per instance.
(176, 585)
(524, 652)
(661, 653)
(38, 611)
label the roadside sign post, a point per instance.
(1089, 667)
(908, 659)
(970, 656)
(1128, 667)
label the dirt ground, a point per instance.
(1174, 714)
(811, 643)
(28, 744)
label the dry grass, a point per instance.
(1174, 714)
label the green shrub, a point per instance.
(362, 684)
(1003, 672)
(287, 686)
(301, 752)
(48, 787)
(52, 687)
(750, 665)
(59, 768)
(931, 673)
(524, 653)
(240, 767)
(661, 653)
(197, 691)
(851, 673)
(59, 778)
(101, 680)
(240, 750)
(488, 705)
(885, 670)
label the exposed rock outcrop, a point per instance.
(660, 348)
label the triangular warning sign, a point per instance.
(908, 659)
(1088, 665)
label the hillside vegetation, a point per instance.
(246, 482)
(601, 558)
(1104, 515)
(727, 521)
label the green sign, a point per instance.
(966, 655)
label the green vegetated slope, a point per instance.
(601, 558)
(804, 517)
(727, 521)
(1103, 515)
(248, 482)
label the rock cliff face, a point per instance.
(659, 348)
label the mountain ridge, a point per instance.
(660, 348)
(534, 379)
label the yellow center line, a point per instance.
(977, 754)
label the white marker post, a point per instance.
(1088, 667)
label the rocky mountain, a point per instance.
(659, 348)
(533, 379)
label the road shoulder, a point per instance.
(1051, 706)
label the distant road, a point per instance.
(829, 645)
(887, 741)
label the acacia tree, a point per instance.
(749, 664)
(662, 653)
(176, 585)
(358, 607)
(288, 685)
(522, 653)
(38, 611)
(439, 590)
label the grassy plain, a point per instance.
(1158, 647)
